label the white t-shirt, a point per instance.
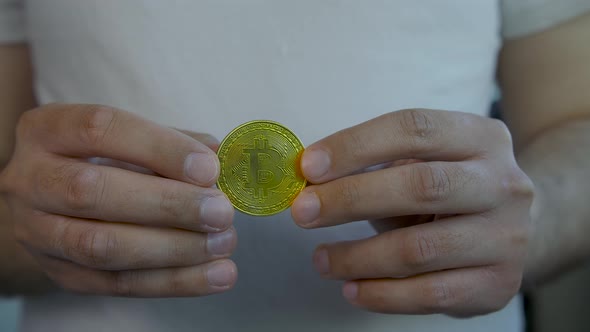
(315, 65)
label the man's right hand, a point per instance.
(107, 230)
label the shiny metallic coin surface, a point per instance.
(260, 167)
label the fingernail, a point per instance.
(221, 275)
(350, 290)
(315, 164)
(201, 167)
(306, 208)
(221, 243)
(321, 261)
(216, 212)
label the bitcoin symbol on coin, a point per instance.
(260, 167)
(264, 162)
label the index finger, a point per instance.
(101, 131)
(408, 134)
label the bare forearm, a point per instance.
(558, 162)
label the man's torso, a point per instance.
(317, 67)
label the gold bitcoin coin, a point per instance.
(260, 167)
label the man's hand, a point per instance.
(145, 223)
(467, 258)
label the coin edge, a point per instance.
(225, 139)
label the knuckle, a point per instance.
(26, 124)
(506, 277)
(176, 283)
(355, 145)
(513, 285)
(176, 204)
(179, 252)
(124, 282)
(500, 131)
(439, 297)
(420, 251)
(97, 121)
(84, 189)
(430, 183)
(507, 281)
(49, 180)
(90, 246)
(348, 194)
(419, 126)
(517, 184)
(518, 237)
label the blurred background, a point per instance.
(563, 304)
(9, 309)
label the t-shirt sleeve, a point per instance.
(525, 17)
(12, 24)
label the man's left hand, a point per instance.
(454, 220)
